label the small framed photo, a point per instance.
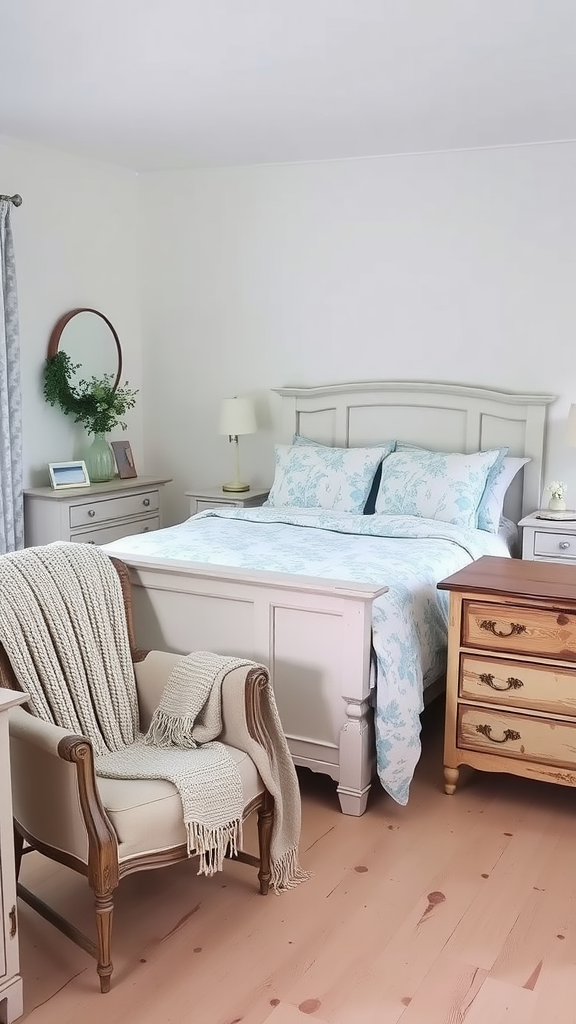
(68, 474)
(124, 459)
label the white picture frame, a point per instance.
(68, 474)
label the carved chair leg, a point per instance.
(104, 906)
(265, 819)
(18, 847)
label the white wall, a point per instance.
(76, 241)
(457, 266)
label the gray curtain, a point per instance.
(11, 510)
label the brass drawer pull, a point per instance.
(490, 625)
(511, 682)
(509, 734)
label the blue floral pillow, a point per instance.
(435, 485)
(497, 483)
(316, 476)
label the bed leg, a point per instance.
(356, 758)
(353, 803)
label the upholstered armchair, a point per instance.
(106, 828)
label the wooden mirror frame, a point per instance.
(54, 342)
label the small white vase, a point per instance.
(557, 504)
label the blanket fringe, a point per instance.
(286, 872)
(167, 730)
(211, 844)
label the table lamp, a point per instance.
(237, 416)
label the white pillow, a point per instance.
(315, 476)
(492, 503)
(435, 485)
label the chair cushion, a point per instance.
(147, 813)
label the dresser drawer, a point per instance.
(202, 505)
(554, 545)
(518, 736)
(101, 511)
(519, 684)
(106, 534)
(548, 632)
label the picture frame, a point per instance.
(68, 474)
(124, 459)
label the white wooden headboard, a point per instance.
(443, 417)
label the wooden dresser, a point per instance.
(97, 514)
(511, 679)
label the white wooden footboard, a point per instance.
(313, 634)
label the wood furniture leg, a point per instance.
(104, 906)
(265, 818)
(356, 757)
(450, 779)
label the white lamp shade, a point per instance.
(237, 416)
(571, 427)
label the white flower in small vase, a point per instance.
(557, 491)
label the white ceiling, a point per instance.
(154, 84)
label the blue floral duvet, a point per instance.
(407, 554)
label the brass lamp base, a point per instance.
(235, 486)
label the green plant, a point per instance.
(94, 402)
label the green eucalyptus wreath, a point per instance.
(94, 402)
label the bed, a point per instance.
(322, 634)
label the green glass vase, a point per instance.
(99, 459)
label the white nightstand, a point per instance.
(548, 540)
(214, 497)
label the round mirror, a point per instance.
(90, 340)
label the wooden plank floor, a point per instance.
(452, 910)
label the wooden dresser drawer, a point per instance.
(120, 507)
(554, 545)
(519, 684)
(519, 736)
(106, 534)
(547, 632)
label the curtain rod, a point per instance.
(17, 200)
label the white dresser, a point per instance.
(97, 514)
(10, 980)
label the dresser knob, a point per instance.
(564, 545)
(91, 513)
(145, 530)
(146, 502)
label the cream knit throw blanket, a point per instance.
(62, 623)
